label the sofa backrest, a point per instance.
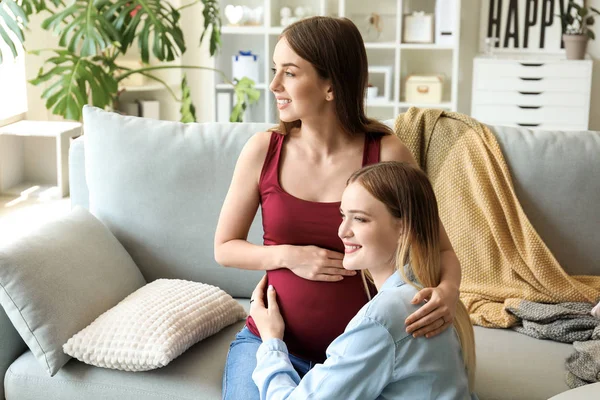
(556, 176)
(159, 187)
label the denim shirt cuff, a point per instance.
(271, 345)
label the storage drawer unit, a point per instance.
(548, 93)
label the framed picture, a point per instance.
(523, 25)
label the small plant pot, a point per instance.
(575, 46)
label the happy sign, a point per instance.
(524, 25)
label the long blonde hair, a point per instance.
(408, 195)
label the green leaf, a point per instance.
(72, 78)
(84, 27)
(591, 35)
(595, 10)
(188, 111)
(590, 20)
(13, 20)
(245, 95)
(154, 23)
(212, 21)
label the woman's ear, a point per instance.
(329, 94)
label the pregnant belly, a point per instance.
(315, 313)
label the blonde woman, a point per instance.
(390, 229)
(296, 174)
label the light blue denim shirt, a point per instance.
(373, 359)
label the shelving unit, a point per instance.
(29, 173)
(388, 49)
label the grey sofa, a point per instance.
(167, 181)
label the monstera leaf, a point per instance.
(212, 20)
(147, 20)
(14, 17)
(72, 78)
(82, 26)
(11, 30)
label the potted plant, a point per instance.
(575, 24)
(95, 34)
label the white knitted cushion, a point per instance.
(154, 325)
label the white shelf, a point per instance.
(382, 45)
(226, 86)
(146, 88)
(275, 30)
(243, 30)
(20, 169)
(388, 51)
(52, 129)
(426, 46)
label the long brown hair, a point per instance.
(408, 195)
(335, 48)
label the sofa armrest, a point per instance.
(77, 182)
(11, 346)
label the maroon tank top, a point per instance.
(314, 312)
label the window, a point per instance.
(13, 85)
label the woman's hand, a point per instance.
(268, 319)
(315, 263)
(436, 315)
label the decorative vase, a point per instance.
(575, 46)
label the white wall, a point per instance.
(201, 81)
(469, 44)
(594, 51)
(37, 38)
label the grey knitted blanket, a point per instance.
(568, 323)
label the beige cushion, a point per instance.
(56, 280)
(154, 325)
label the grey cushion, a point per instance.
(556, 178)
(517, 367)
(11, 345)
(196, 374)
(57, 279)
(159, 187)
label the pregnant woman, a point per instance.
(296, 173)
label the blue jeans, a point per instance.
(241, 361)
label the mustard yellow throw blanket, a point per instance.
(503, 259)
